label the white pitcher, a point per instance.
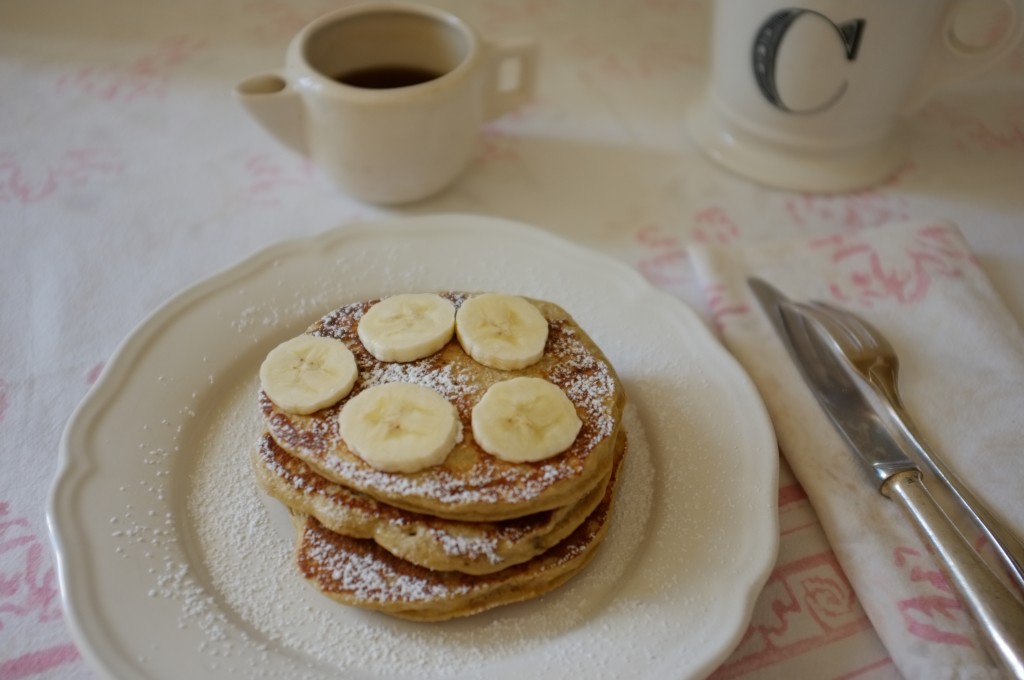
(388, 98)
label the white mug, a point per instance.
(388, 98)
(808, 94)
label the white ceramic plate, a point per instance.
(172, 566)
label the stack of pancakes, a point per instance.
(470, 533)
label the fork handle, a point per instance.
(999, 616)
(1007, 547)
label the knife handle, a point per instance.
(1004, 543)
(1000, 617)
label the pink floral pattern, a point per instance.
(38, 661)
(30, 179)
(145, 77)
(847, 212)
(970, 130)
(94, 373)
(268, 179)
(714, 225)
(28, 585)
(828, 598)
(663, 258)
(869, 276)
(806, 604)
(5, 401)
(936, 614)
(722, 305)
(496, 146)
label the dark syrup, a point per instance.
(387, 77)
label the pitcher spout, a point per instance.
(277, 107)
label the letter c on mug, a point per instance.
(768, 41)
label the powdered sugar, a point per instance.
(369, 579)
(586, 380)
(472, 487)
(338, 506)
(246, 546)
(570, 362)
(667, 590)
(470, 547)
(443, 379)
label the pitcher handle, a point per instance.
(515, 62)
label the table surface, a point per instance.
(127, 173)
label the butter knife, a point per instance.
(997, 613)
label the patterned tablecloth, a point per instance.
(127, 172)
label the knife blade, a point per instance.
(996, 612)
(836, 391)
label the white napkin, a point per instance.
(962, 377)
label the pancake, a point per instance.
(438, 544)
(360, 573)
(470, 485)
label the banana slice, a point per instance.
(501, 331)
(524, 420)
(308, 373)
(407, 327)
(400, 427)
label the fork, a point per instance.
(998, 615)
(874, 359)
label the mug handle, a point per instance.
(515, 61)
(951, 58)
